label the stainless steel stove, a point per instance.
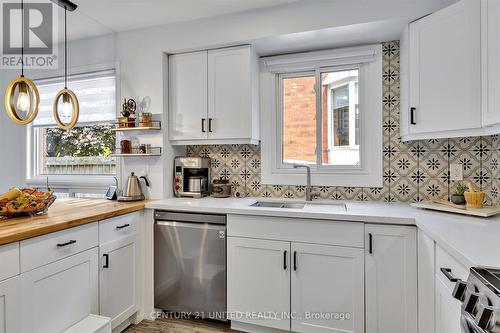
(480, 297)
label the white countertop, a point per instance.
(473, 241)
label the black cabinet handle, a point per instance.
(210, 125)
(106, 261)
(412, 116)
(284, 260)
(203, 120)
(67, 243)
(447, 273)
(370, 243)
(294, 260)
(122, 226)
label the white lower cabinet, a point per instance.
(448, 310)
(118, 298)
(259, 281)
(327, 291)
(304, 287)
(10, 316)
(391, 279)
(56, 296)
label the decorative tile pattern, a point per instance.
(413, 171)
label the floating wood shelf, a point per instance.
(155, 126)
(137, 152)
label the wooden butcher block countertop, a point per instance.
(64, 214)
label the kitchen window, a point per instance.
(80, 156)
(323, 109)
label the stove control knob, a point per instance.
(177, 187)
(471, 302)
(485, 317)
(177, 180)
(459, 290)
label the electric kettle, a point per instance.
(133, 190)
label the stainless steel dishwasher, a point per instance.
(190, 264)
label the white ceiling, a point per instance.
(101, 16)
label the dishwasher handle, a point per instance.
(190, 217)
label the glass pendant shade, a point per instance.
(22, 96)
(70, 107)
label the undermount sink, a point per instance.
(309, 205)
(278, 204)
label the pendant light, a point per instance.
(28, 98)
(70, 105)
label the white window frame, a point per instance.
(71, 183)
(368, 59)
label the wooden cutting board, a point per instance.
(486, 211)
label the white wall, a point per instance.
(142, 58)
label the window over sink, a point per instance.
(82, 154)
(323, 109)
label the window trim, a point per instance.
(369, 172)
(71, 182)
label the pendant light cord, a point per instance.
(22, 38)
(65, 49)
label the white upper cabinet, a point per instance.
(490, 17)
(188, 96)
(214, 96)
(391, 279)
(441, 94)
(232, 98)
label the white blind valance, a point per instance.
(96, 94)
(326, 58)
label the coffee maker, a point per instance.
(191, 177)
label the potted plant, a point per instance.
(458, 196)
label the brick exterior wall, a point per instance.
(299, 102)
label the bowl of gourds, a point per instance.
(25, 202)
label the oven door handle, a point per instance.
(447, 273)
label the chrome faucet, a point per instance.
(308, 175)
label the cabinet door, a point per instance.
(426, 284)
(258, 281)
(58, 295)
(118, 279)
(10, 307)
(445, 69)
(491, 65)
(230, 93)
(188, 96)
(390, 277)
(448, 310)
(327, 289)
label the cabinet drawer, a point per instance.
(118, 227)
(9, 260)
(456, 269)
(297, 230)
(39, 251)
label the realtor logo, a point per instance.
(40, 32)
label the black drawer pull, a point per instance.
(284, 260)
(67, 243)
(294, 260)
(412, 116)
(203, 125)
(122, 226)
(447, 273)
(210, 125)
(370, 243)
(106, 261)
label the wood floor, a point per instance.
(179, 326)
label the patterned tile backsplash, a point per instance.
(413, 171)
